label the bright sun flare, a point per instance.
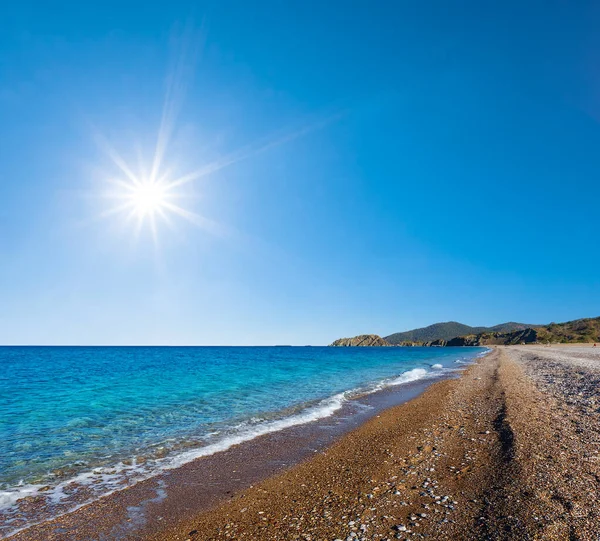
(146, 201)
(158, 191)
(148, 198)
(152, 193)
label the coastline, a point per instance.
(154, 504)
(508, 450)
(392, 456)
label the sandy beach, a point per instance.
(507, 451)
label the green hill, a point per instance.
(449, 330)
(571, 332)
(579, 330)
(452, 333)
(510, 326)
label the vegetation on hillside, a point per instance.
(361, 341)
(570, 332)
(580, 330)
(449, 330)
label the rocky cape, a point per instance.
(361, 341)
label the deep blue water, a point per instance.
(103, 412)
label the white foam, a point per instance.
(325, 408)
(9, 497)
(437, 366)
(108, 477)
(410, 375)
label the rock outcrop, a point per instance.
(525, 336)
(361, 341)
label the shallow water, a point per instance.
(107, 416)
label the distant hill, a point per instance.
(360, 341)
(444, 334)
(570, 332)
(489, 338)
(510, 327)
(449, 330)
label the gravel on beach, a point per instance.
(555, 415)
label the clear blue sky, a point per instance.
(426, 162)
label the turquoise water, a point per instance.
(104, 414)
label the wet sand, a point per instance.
(510, 450)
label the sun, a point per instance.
(148, 198)
(152, 181)
(146, 201)
(153, 192)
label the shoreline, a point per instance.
(154, 504)
(508, 451)
(344, 473)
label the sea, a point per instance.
(98, 419)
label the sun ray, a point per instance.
(167, 219)
(248, 152)
(201, 221)
(146, 198)
(115, 157)
(154, 230)
(115, 210)
(150, 192)
(139, 222)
